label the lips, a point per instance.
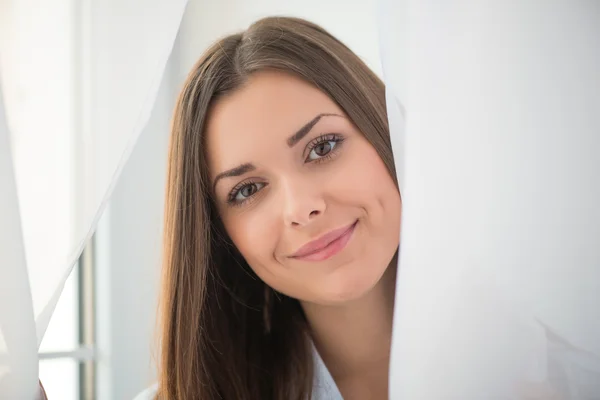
(327, 245)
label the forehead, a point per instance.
(269, 108)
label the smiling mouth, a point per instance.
(327, 245)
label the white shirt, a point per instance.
(324, 387)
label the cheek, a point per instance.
(374, 172)
(374, 190)
(365, 179)
(254, 233)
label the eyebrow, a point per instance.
(292, 141)
(237, 171)
(296, 137)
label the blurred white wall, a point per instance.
(352, 21)
(129, 236)
(128, 243)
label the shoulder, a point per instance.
(148, 394)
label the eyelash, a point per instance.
(332, 137)
(236, 190)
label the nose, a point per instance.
(303, 202)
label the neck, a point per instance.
(354, 338)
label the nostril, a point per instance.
(314, 213)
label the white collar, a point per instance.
(324, 387)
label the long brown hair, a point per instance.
(225, 334)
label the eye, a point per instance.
(321, 150)
(244, 191)
(323, 146)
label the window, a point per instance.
(67, 353)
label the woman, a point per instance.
(282, 223)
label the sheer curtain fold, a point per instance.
(103, 62)
(18, 349)
(499, 275)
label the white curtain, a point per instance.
(120, 51)
(498, 288)
(18, 343)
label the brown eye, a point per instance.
(246, 192)
(321, 150)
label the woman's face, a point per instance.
(303, 195)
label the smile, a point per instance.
(327, 245)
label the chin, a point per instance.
(349, 284)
